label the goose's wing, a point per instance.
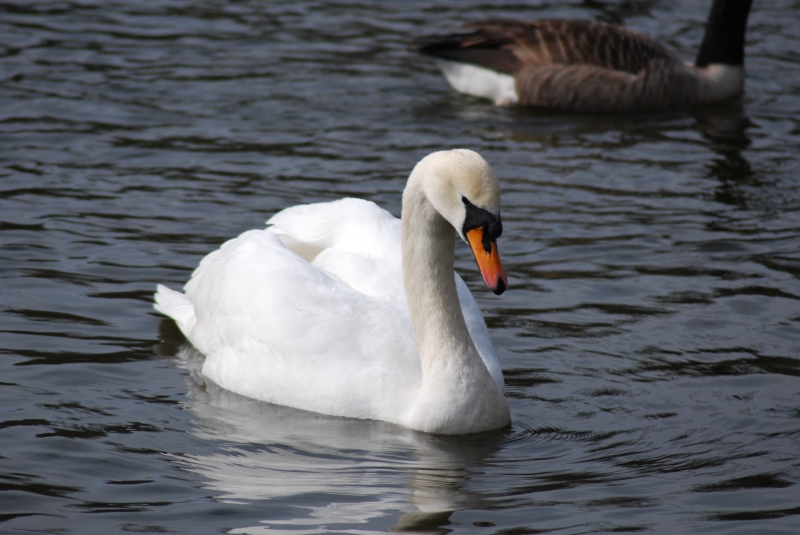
(564, 64)
(509, 46)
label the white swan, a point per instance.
(341, 309)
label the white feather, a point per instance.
(311, 313)
(479, 82)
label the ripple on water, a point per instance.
(649, 338)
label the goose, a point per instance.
(339, 308)
(583, 66)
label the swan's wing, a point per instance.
(478, 331)
(508, 46)
(278, 329)
(354, 240)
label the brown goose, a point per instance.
(591, 66)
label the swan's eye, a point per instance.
(478, 217)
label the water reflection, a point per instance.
(613, 13)
(328, 470)
(649, 342)
(726, 125)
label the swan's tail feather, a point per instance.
(177, 306)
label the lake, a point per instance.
(650, 337)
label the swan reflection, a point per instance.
(317, 473)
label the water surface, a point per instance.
(650, 339)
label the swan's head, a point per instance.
(462, 187)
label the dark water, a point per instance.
(650, 340)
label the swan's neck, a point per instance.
(457, 393)
(428, 256)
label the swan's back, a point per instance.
(355, 240)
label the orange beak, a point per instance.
(488, 261)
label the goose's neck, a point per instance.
(428, 247)
(723, 42)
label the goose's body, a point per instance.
(591, 66)
(341, 309)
